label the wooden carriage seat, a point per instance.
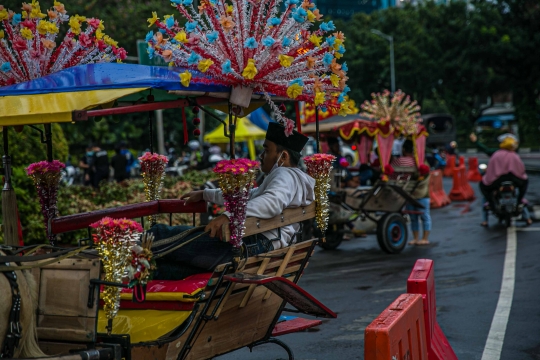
(169, 303)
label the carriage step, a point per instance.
(288, 291)
(294, 325)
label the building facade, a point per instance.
(345, 9)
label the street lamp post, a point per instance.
(390, 39)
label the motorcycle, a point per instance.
(505, 201)
(70, 175)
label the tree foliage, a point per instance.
(449, 57)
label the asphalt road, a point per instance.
(358, 281)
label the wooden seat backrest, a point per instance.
(285, 262)
(63, 313)
(289, 216)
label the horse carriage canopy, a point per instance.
(61, 96)
(363, 131)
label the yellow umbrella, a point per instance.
(245, 131)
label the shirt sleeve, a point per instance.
(216, 195)
(485, 149)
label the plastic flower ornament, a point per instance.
(236, 178)
(46, 176)
(29, 42)
(402, 114)
(254, 44)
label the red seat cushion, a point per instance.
(167, 294)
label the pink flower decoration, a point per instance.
(19, 44)
(101, 45)
(93, 22)
(194, 39)
(44, 167)
(85, 40)
(289, 127)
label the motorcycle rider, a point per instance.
(504, 165)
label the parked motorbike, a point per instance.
(70, 174)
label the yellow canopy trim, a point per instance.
(54, 107)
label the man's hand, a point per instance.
(216, 225)
(193, 196)
(473, 137)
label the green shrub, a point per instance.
(79, 199)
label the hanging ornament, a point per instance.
(236, 178)
(196, 132)
(196, 121)
(319, 167)
(46, 176)
(113, 241)
(153, 171)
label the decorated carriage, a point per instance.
(379, 207)
(96, 301)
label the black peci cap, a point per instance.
(276, 134)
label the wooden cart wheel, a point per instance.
(392, 233)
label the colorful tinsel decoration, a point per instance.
(252, 44)
(319, 167)
(29, 47)
(141, 264)
(113, 240)
(307, 110)
(46, 176)
(153, 171)
(236, 178)
(398, 110)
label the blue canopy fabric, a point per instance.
(105, 76)
(260, 118)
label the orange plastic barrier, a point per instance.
(467, 188)
(437, 196)
(422, 281)
(473, 174)
(398, 332)
(450, 165)
(461, 189)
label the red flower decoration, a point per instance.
(423, 170)
(343, 162)
(388, 169)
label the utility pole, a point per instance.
(390, 39)
(160, 137)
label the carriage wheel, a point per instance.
(392, 233)
(334, 236)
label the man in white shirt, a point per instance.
(284, 186)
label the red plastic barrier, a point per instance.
(450, 165)
(437, 196)
(398, 332)
(457, 194)
(473, 174)
(422, 281)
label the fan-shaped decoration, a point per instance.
(29, 48)
(250, 43)
(402, 114)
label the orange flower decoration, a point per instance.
(227, 23)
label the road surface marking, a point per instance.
(494, 343)
(528, 229)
